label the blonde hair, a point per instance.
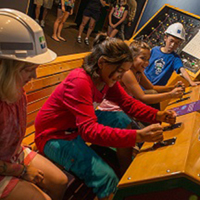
(136, 47)
(10, 89)
(114, 51)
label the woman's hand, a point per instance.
(168, 116)
(33, 174)
(152, 133)
(176, 92)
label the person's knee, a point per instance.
(61, 182)
(43, 198)
(40, 196)
(111, 181)
(91, 27)
(62, 22)
(83, 24)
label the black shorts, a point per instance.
(67, 8)
(114, 21)
(92, 13)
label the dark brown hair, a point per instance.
(114, 51)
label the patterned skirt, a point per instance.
(7, 183)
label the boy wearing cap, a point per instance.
(164, 60)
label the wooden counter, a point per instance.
(170, 172)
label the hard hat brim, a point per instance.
(46, 57)
(43, 58)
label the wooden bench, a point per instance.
(38, 91)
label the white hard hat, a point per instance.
(176, 30)
(21, 38)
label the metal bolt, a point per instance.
(129, 178)
(168, 171)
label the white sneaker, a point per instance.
(87, 41)
(79, 39)
(42, 24)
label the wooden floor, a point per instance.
(69, 32)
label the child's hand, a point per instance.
(180, 84)
(33, 174)
(63, 8)
(193, 84)
(168, 116)
(111, 24)
(114, 26)
(176, 92)
(152, 133)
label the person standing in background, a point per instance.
(65, 8)
(92, 14)
(47, 4)
(117, 17)
(132, 8)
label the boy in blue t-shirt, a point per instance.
(164, 60)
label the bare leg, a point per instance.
(124, 157)
(27, 191)
(113, 33)
(91, 27)
(55, 181)
(84, 22)
(37, 11)
(110, 29)
(64, 18)
(56, 24)
(44, 13)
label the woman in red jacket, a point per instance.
(67, 120)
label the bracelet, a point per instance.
(23, 172)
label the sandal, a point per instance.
(61, 38)
(79, 39)
(86, 41)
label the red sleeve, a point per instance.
(78, 96)
(131, 106)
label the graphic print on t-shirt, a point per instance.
(69, 3)
(119, 11)
(159, 64)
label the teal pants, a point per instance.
(76, 156)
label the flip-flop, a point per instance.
(55, 39)
(62, 39)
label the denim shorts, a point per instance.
(114, 119)
(77, 157)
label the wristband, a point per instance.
(23, 172)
